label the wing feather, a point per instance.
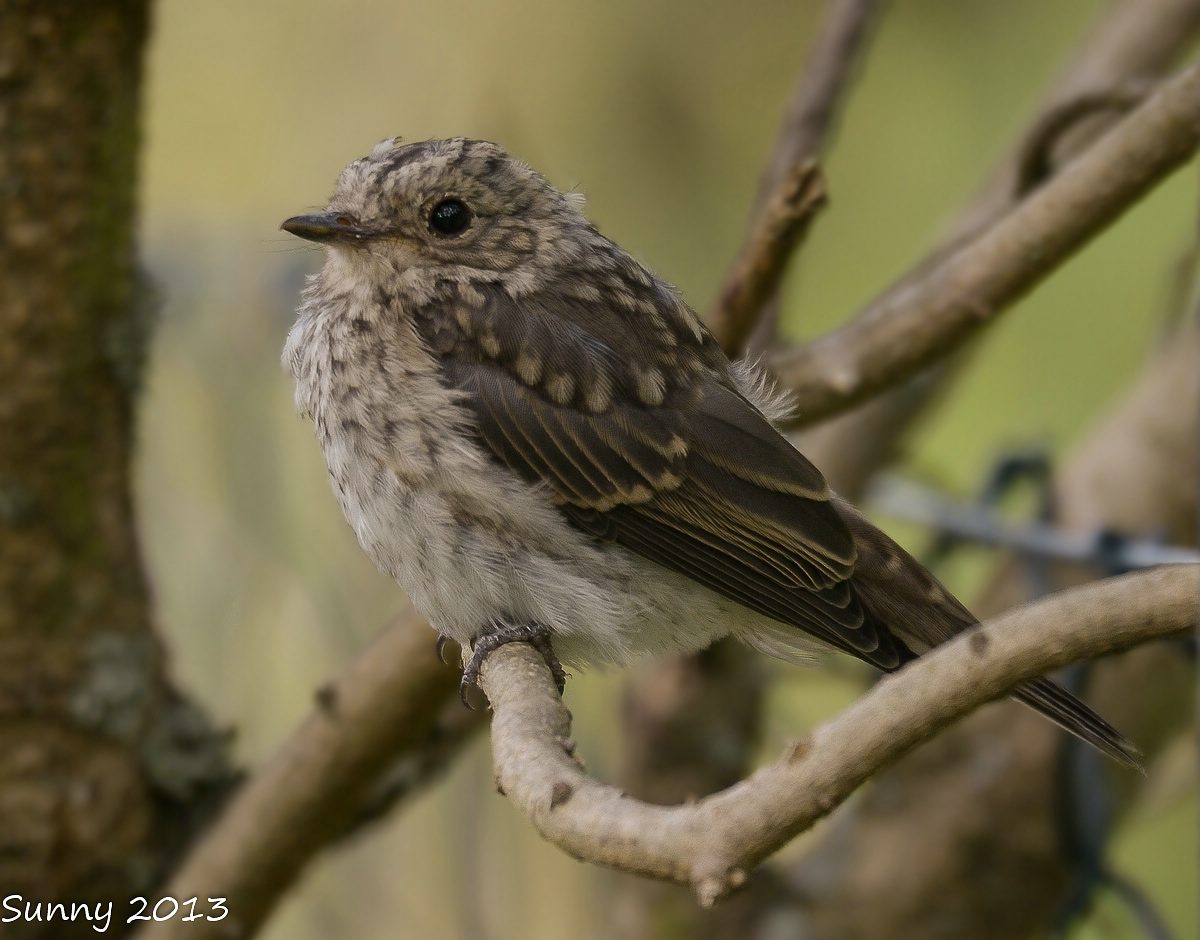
(676, 466)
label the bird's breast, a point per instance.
(465, 538)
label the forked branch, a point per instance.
(921, 326)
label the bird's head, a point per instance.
(455, 208)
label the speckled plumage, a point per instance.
(524, 425)
(468, 540)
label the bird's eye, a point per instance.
(449, 217)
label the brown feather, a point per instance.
(700, 483)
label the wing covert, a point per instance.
(654, 448)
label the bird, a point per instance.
(538, 439)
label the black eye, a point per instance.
(449, 217)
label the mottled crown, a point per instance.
(508, 211)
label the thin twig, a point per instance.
(712, 843)
(1037, 158)
(1131, 45)
(1147, 917)
(811, 115)
(759, 267)
(922, 326)
(810, 120)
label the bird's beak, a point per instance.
(325, 227)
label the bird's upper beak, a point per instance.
(326, 227)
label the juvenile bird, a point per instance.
(539, 440)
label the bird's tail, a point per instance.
(907, 602)
(1070, 714)
(1052, 701)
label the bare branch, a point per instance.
(921, 326)
(804, 134)
(760, 265)
(820, 90)
(315, 788)
(416, 767)
(1129, 45)
(712, 843)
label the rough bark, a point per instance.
(103, 770)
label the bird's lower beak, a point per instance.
(325, 227)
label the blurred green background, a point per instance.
(662, 113)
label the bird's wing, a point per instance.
(649, 444)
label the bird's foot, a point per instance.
(499, 634)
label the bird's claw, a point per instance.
(500, 634)
(442, 642)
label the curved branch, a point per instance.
(1038, 154)
(993, 785)
(921, 326)
(711, 844)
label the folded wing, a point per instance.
(698, 482)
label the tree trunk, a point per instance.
(98, 756)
